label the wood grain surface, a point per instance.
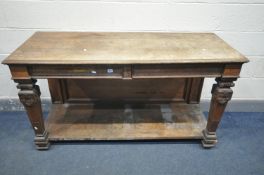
(123, 48)
(125, 122)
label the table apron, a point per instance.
(115, 71)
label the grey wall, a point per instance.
(239, 22)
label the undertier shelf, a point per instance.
(125, 122)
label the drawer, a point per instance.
(126, 71)
(176, 70)
(99, 70)
(103, 71)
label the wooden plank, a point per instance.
(123, 48)
(56, 93)
(128, 72)
(71, 71)
(195, 86)
(177, 70)
(232, 70)
(125, 122)
(19, 72)
(144, 90)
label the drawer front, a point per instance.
(88, 71)
(177, 70)
(126, 71)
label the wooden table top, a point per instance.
(123, 48)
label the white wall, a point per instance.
(239, 22)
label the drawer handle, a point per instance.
(109, 71)
(93, 71)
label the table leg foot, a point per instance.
(42, 141)
(209, 139)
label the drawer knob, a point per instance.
(110, 71)
(93, 71)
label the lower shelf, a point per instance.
(125, 122)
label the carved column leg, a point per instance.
(221, 94)
(29, 96)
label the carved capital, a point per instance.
(28, 97)
(223, 95)
(222, 91)
(29, 92)
(225, 82)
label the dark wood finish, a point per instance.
(177, 70)
(56, 90)
(142, 71)
(71, 71)
(232, 70)
(29, 96)
(127, 73)
(136, 90)
(19, 72)
(194, 90)
(221, 94)
(119, 121)
(124, 85)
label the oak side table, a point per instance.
(124, 86)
